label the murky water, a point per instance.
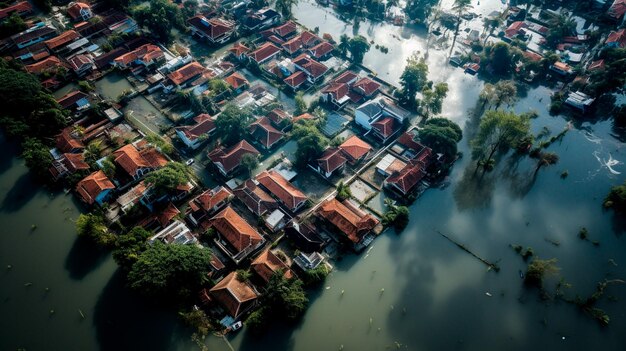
(434, 294)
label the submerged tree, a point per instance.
(545, 159)
(460, 7)
(231, 124)
(616, 199)
(343, 191)
(37, 157)
(413, 79)
(285, 7)
(129, 246)
(311, 143)
(537, 271)
(442, 136)
(432, 99)
(358, 46)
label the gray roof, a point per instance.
(370, 108)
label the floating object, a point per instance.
(488, 294)
(33, 227)
(562, 338)
(404, 310)
(521, 274)
(341, 347)
(328, 287)
(81, 313)
(371, 320)
(52, 311)
(612, 261)
(9, 266)
(342, 291)
(382, 291)
(46, 289)
(391, 307)
(28, 284)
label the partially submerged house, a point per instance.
(68, 164)
(235, 237)
(194, 135)
(381, 117)
(282, 190)
(95, 188)
(331, 162)
(235, 296)
(215, 30)
(268, 264)
(264, 133)
(147, 55)
(346, 218)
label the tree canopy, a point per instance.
(311, 143)
(165, 180)
(498, 130)
(432, 98)
(93, 227)
(231, 124)
(160, 17)
(413, 79)
(170, 271)
(419, 10)
(616, 199)
(442, 136)
(37, 157)
(358, 46)
(285, 7)
(129, 246)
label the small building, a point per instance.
(228, 160)
(304, 236)
(237, 82)
(616, 39)
(183, 76)
(235, 296)
(309, 261)
(276, 220)
(74, 101)
(175, 233)
(95, 188)
(332, 162)
(321, 51)
(81, 64)
(214, 30)
(264, 133)
(617, 10)
(235, 237)
(132, 197)
(207, 204)
(313, 69)
(138, 163)
(355, 149)
(62, 40)
(79, 11)
(67, 164)
(261, 19)
(348, 219)
(50, 64)
(268, 263)
(281, 189)
(405, 180)
(389, 165)
(21, 8)
(147, 55)
(33, 35)
(256, 199)
(264, 53)
(579, 101)
(194, 135)
(283, 31)
(561, 68)
(239, 50)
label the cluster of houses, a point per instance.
(108, 161)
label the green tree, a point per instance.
(285, 7)
(285, 298)
(12, 25)
(501, 59)
(170, 271)
(108, 167)
(432, 99)
(344, 44)
(311, 143)
(249, 163)
(93, 227)
(442, 136)
(498, 130)
(358, 46)
(231, 124)
(538, 269)
(37, 157)
(396, 216)
(616, 199)
(129, 246)
(165, 180)
(343, 191)
(413, 79)
(419, 10)
(300, 104)
(92, 152)
(460, 7)
(545, 159)
(159, 17)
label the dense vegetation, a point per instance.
(616, 199)
(442, 136)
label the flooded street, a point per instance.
(411, 291)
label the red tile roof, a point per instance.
(185, 73)
(265, 133)
(146, 53)
(257, 200)
(233, 294)
(239, 49)
(69, 99)
(533, 56)
(209, 199)
(366, 86)
(75, 162)
(618, 37)
(312, 67)
(131, 159)
(281, 188)
(331, 160)
(350, 220)
(277, 116)
(63, 39)
(204, 125)
(408, 177)
(305, 115)
(20, 8)
(321, 49)
(309, 39)
(235, 230)
(267, 263)
(337, 90)
(595, 65)
(617, 9)
(293, 45)
(236, 80)
(264, 52)
(296, 79)
(68, 140)
(166, 216)
(91, 186)
(79, 62)
(285, 29)
(49, 64)
(214, 27)
(74, 10)
(347, 77)
(514, 29)
(385, 126)
(355, 148)
(230, 158)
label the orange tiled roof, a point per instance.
(351, 221)
(280, 187)
(74, 10)
(48, 64)
(235, 230)
(131, 159)
(166, 216)
(91, 186)
(264, 51)
(230, 158)
(267, 263)
(236, 80)
(65, 38)
(331, 160)
(146, 53)
(19, 8)
(239, 49)
(355, 148)
(186, 72)
(233, 294)
(209, 199)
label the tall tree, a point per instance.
(344, 43)
(498, 130)
(432, 98)
(460, 7)
(37, 157)
(231, 124)
(413, 79)
(358, 46)
(285, 7)
(165, 180)
(546, 159)
(442, 136)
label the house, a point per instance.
(21, 8)
(68, 163)
(264, 53)
(261, 19)
(214, 30)
(355, 149)
(237, 82)
(348, 219)
(276, 220)
(79, 11)
(313, 69)
(580, 101)
(561, 68)
(227, 160)
(256, 199)
(617, 10)
(348, 87)
(184, 75)
(596, 65)
(616, 39)
(175, 233)
(208, 203)
(305, 236)
(70, 141)
(96, 187)
(146, 55)
(331, 162)
(235, 236)
(239, 50)
(296, 80)
(308, 261)
(268, 263)
(74, 101)
(515, 29)
(33, 35)
(366, 87)
(31, 54)
(81, 64)
(264, 133)
(321, 51)
(389, 165)
(282, 190)
(138, 163)
(235, 296)
(283, 32)
(194, 135)
(63, 39)
(405, 180)
(279, 118)
(132, 197)
(381, 116)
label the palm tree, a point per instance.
(284, 7)
(344, 44)
(460, 7)
(546, 159)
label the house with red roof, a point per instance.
(264, 133)
(21, 8)
(67, 164)
(405, 180)
(283, 32)
(237, 82)
(313, 69)
(50, 64)
(215, 30)
(146, 55)
(255, 198)
(366, 87)
(74, 101)
(282, 190)
(207, 204)
(332, 162)
(561, 68)
(279, 118)
(293, 46)
(346, 218)
(234, 296)
(194, 135)
(596, 65)
(138, 163)
(228, 160)
(617, 10)
(321, 51)
(355, 149)
(70, 141)
(296, 80)
(264, 53)
(62, 40)
(235, 237)
(31, 36)
(515, 29)
(79, 11)
(81, 64)
(616, 39)
(184, 76)
(349, 87)
(95, 188)
(267, 264)
(239, 50)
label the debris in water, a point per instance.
(342, 291)
(612, 261)
(382, 291)
(81, 313)
(488, 294)
(371, 320)
(404, 310)
(33, 227)
(52, 311)
(562, 338)
(28, 284)
(46, 289)
(391, 307)
(328, 287)
(366, 256)
(341, 347)
(9, 266)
